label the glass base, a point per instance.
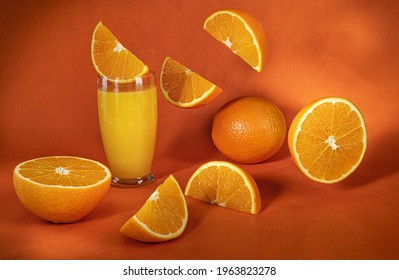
(131, 183)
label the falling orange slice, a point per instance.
(328, 139)
(163, 216)
(242, 33)
(111, 59)
(183, 88)
(225, 184)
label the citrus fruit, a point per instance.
(241, 33)
(163, 216)
(111, 59)
(61, 189)
(328, 139)
(249, 129)
(185, 88)
(225, 184)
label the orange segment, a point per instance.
(61, 189)
(185, 88)
(225, 184)
(241, 33)
(111, 59)
(328, 139)
(163, 216)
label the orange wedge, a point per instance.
(328, 139)
(183, 88)
(225, 184)
(61, 189)
(241, 33)
(163, 216)
(111, 59)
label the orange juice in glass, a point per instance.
(128, 122)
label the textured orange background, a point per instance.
(317, 49)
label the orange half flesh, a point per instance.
(328, 139)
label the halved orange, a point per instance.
(242, 33)
(184, 88)
(328, 139)
(61, 189)
(111, 59)
(163, 216)
(225, 184)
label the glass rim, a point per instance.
(150, 74)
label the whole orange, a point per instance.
(249, 129)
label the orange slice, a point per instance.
(328, 139)
(241, 33)
(225, 184)
(61, 189)
(163, 216)
(184, 88)
(111, 59)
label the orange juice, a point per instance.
(128, 123)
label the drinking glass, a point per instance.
(128, 118)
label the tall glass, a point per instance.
(128, 118)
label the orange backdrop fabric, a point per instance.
(316, 49)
